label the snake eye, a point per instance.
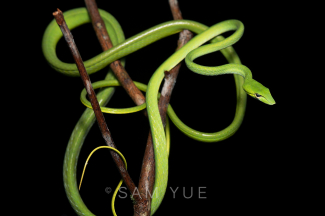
(258, 95)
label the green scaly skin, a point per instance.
(79, 16)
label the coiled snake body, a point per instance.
(190, 51)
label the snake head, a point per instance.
(258, 91)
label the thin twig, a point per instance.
(93, 99)
(147, 176)
(104, 40)
(177, 14)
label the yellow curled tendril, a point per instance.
(119, 184)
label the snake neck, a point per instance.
(239, 69)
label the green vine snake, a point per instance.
(192, 50)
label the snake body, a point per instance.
(193, 49)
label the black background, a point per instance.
(250, 169)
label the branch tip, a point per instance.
(58, 16)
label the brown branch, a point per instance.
(177, 14)
(104, 40)
(93, 99)
(147, 176)
(171, 76)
